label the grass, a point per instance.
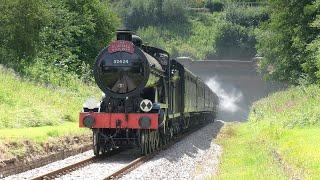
(245, 157)
(31, 112)
(26, 104)
(280, 141)
(41, 134)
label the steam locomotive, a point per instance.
(148, 97)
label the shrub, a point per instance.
(235, 41)
(77, 32)
(197, 42)
(313, 65)
(214, 6)
(196, 3)
(25, 20)
(247, 17)
(283, 41)
(58, 37)
(143, 13)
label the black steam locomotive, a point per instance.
(149, 98)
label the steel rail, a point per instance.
(68, 169)
(131, 166)
(139, 161)
(126, 169)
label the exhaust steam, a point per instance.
(231, 99)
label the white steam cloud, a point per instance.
(229, 97)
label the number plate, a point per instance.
(121, 45)
(120, 61)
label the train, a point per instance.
(148, 98)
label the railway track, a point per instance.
(65, 170)
(121, 172)
(137, 162)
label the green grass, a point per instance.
(34, 113)
(26, 104)
(41, 134)
(245, 157)
(286, 123)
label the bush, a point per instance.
(214, 6)
(235, 41)
(197, 41)
(76, 34)
(217, 35)
(196, 3)
(247, 17)
(64, 36)
(50, 75)
(284, 39)
(143, 13)
(23, 24)
(313, 65)
(236, 38)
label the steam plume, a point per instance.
(230, 97)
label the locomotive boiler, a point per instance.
(148, 97)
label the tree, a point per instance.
(97, 26)
(53, 34)
(314, 47)
(234, 41)
(284, 38)
(143, 13)
(25, 21)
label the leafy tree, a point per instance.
(247, 16)
(23, 22)
(98, 24)
(284, 39)
(78, 30)
(143, 13)
(314, 47)
(214, 6)
(235, 38)
(4, 30)
(61, 36)
(234, 41)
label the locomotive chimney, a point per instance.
(125, 35)
(136, 40)
(128, 35)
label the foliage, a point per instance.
(282, 126)
(225, 34)
(26, 19)
(236, 38)
(246, 16)
(197, 41)
(314, 47)
(235, 41)
(214, 6)
(55, 36)
(196, 3)
(143, 13)
(284, 39)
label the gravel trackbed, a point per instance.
(194, 157)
